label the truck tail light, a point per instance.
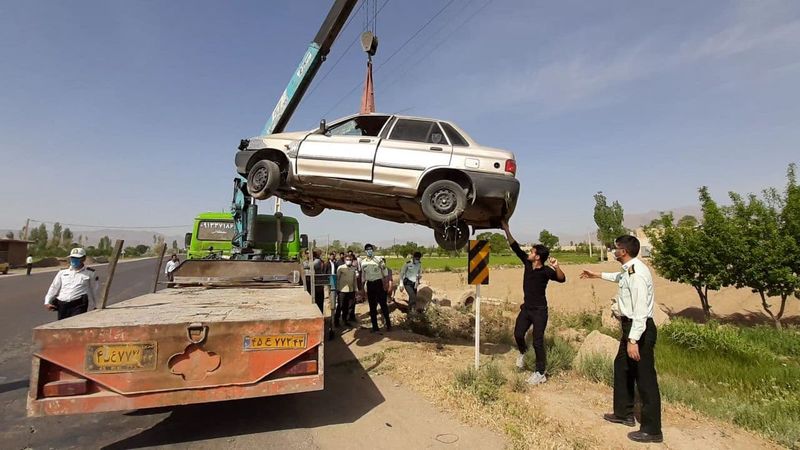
(511, 166)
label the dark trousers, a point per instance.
(30, 266)
(376, 295)
(73, 308)
(344, 300)
(319, 293)
(536, 316)
(411, 290)
(630, 374)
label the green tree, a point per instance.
(356, 247)
(39, 236)
(9, 235)
(687, 221)
(56, 240)
(548, 239)
(497, 242)
(768, 261)
(608, 219)
(141, 249)
(174, 245)
(66, 238)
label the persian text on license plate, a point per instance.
(121, 357)
(275, 342)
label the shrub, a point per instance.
(484, 384)
(597, 368)
(559, 355)
(711, 336)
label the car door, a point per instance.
(345, 151)
(412, 147)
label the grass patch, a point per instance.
(485, 384)
(597, 368)
(559, 355)
(747, 376)
(454, 263)
(589, 321)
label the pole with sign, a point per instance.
(478, 274)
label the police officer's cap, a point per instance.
(369, 247)
(77, 252)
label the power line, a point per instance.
(336, 63)
(439, 44)
(391, 56)
(110, 227)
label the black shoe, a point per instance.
(645, 438)
(629, 421)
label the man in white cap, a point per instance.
(73, 288)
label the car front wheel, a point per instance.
(262, 179)
(443, 201)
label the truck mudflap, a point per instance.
(166, 349)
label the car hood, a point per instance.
(271, 140)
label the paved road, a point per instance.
(355, 410)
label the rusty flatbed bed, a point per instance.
(178, 346)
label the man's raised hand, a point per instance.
(589, 274)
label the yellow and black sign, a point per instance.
(478, 262)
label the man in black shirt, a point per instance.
(533, 310)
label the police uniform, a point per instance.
(72, 290)
(374, 270)
(636, 302)
(409, 277)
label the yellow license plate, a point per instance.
(121, 357)
(275, 342)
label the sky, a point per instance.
(129, 113)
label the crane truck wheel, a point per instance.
(262, 179)
(443, 201)
(452, 237)
(311, 210)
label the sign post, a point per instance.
(478, 274)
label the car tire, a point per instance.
(262, 179)
(452, 237)
(443, 201)
(311, 210)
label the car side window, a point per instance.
(358, 126)
(455, 136)
(418, 131)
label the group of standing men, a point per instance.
(348, 274)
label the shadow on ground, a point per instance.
(748, 318)
(349, 394)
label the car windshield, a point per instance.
(358, 126)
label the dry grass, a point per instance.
(489, 398)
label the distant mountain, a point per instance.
(633, 221)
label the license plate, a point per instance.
(121, 357)
(275, 342)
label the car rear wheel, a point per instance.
(262, 179)
(311, 210)
(443, 201)
(452, 237)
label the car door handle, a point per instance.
(365, 141)
(437, 149)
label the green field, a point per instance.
(459, 263)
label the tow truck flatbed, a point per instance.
(178, 346)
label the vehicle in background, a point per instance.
(212, 233)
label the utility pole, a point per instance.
(27, 224)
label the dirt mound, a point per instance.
(47, 262)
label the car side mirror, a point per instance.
(303, 241)
(187, 240)
(323, 127)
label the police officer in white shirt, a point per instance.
(74, 288)
(172, 264)
(634, 365)
(410, 275)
